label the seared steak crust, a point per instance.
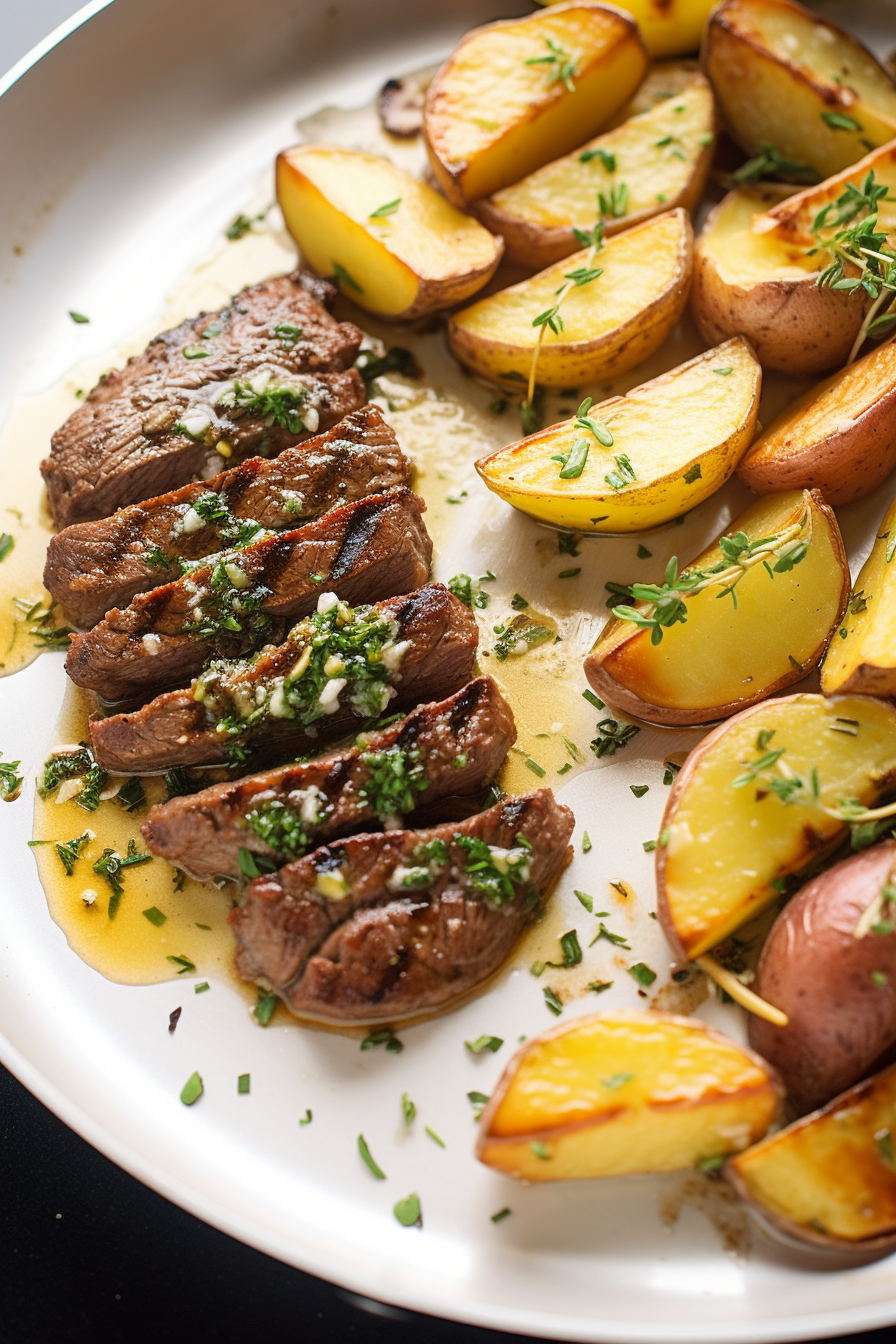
(377, 950)
(460, 744)
(92, 567)
(178, 729)
(127, 440)
(371, 549)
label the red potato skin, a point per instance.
(815, 970)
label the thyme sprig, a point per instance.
(848, 229)
(560, 65)
(769, 162)
(665, 603)
(550, 319)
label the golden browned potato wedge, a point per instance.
(392, 243)
(610, 323)
(863, 659)
(791, 220)
(766, 289)
(630, 1092)
(659, 158)
(829, 964)
(830, 1179)
(515, 94)
(664, 447)
(787, 77)
(839, 437)
(668, 27)
(743, 814)
(786, 558)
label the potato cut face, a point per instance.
(743, 257)
(669, 28)
(682, 434)
(864, 659)
(607, 1096)
(725, 847)
(610, 324)
(657, 159)
(507, 101)
(839, 437)
(725, 657)
(395, 245)
(793, 218)
(829, 1179)
(785, 76)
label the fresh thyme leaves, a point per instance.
(492, 1043)
(519, 637)
(540, 1150)
(368, 1159)
(623, 475)
(639, 790)
(770, 162)
(195, 352)
(265, 1003)
(607, 159)
(343, 278)
(192, 1090)
(395, 360)
(615, 938)
(572, 464)
(383, 210)
(184, 963)
(436, 1138)
(78, 318)
(585, 900)
(10, 780)
(110, 866)
(479, 1101)
(572, 952)
(69, 851)
(550, 319)
(408, 1109)
(306, 1118)
(6, 545)
(39, 619)
(551, 1001)
(848, 229)
(588, 423)
(407, 1211)
(613, 204)
(600, 986)
(839, 121)
(612, 736)
(616, 1080)
(642, 974)
(386, 1037)
(240, 226)
(664, 603)
(518, 602)
(560, 65)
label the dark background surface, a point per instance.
(121, 1263)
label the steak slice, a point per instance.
(295, 697)
(92, 567)
(254, 378)
(387, 925)
(372, 549)
(444, 750)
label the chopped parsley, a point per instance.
(642, 973)
(265, 1004)
(395, 779)
(242, 1084)
(192, 1090)
(551, 1001)
(110, 866)
(283, 827)
(492, 871)
(279, 406)
(612, 736)
(384, 1036)
(406, 1211)
(492, 1043)
(69, 851)
(10, 780)
(479, 1101)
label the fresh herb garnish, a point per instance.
(492, 1043)
(388, 209)
(408, 1109)
(192, 1090)
(479, 1101)
(6, 545)
(10, 780)
(642, 973)
(384, 1036)
(551, 1001)
(110, 865)
(607, 159)
(342, 278)
(69, 851)
(155, 916)
(185, 964)
(560, 65)
(848, 229)
(769, 162)
(407, 1211)
(367, 1157)
(612, 736)
(265, 1003)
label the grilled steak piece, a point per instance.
(445, 750)
(337, 667)
(383, 926)
(92, 567)
(372, 549)
(254, 378)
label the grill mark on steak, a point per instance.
(461, 741)
(95, 566)
(380, 953)
(154, 643)
(122, 444)
(176, 729)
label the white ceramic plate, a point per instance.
(125, 150)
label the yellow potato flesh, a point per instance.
(793, 218)
(864, 660)
(689, 417)
(655, 175)
(608, 1096)
(495, 336)
(328, 197)
(668, 27)
(828, 1177)
(743, 257)
(492, 117)
(777, 68)
(725, 846)
(722, 657)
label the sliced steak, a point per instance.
(92, 567)
(386, 925)
(254, 378)
(444, 750)
(297, 696)
(372, 549)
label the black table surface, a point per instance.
(88, 1253)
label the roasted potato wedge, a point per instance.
(829, 1179)
(791, 220)
(829, 963)
(518, 93)
(681, 436)
(742, 816)
(668, 27)
(863, 660)
(393, 244)
(631, 1092)
(610, 324)
(658, 159)
(839, 437)
(788, 77)
(766, 289)
(723, 658)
